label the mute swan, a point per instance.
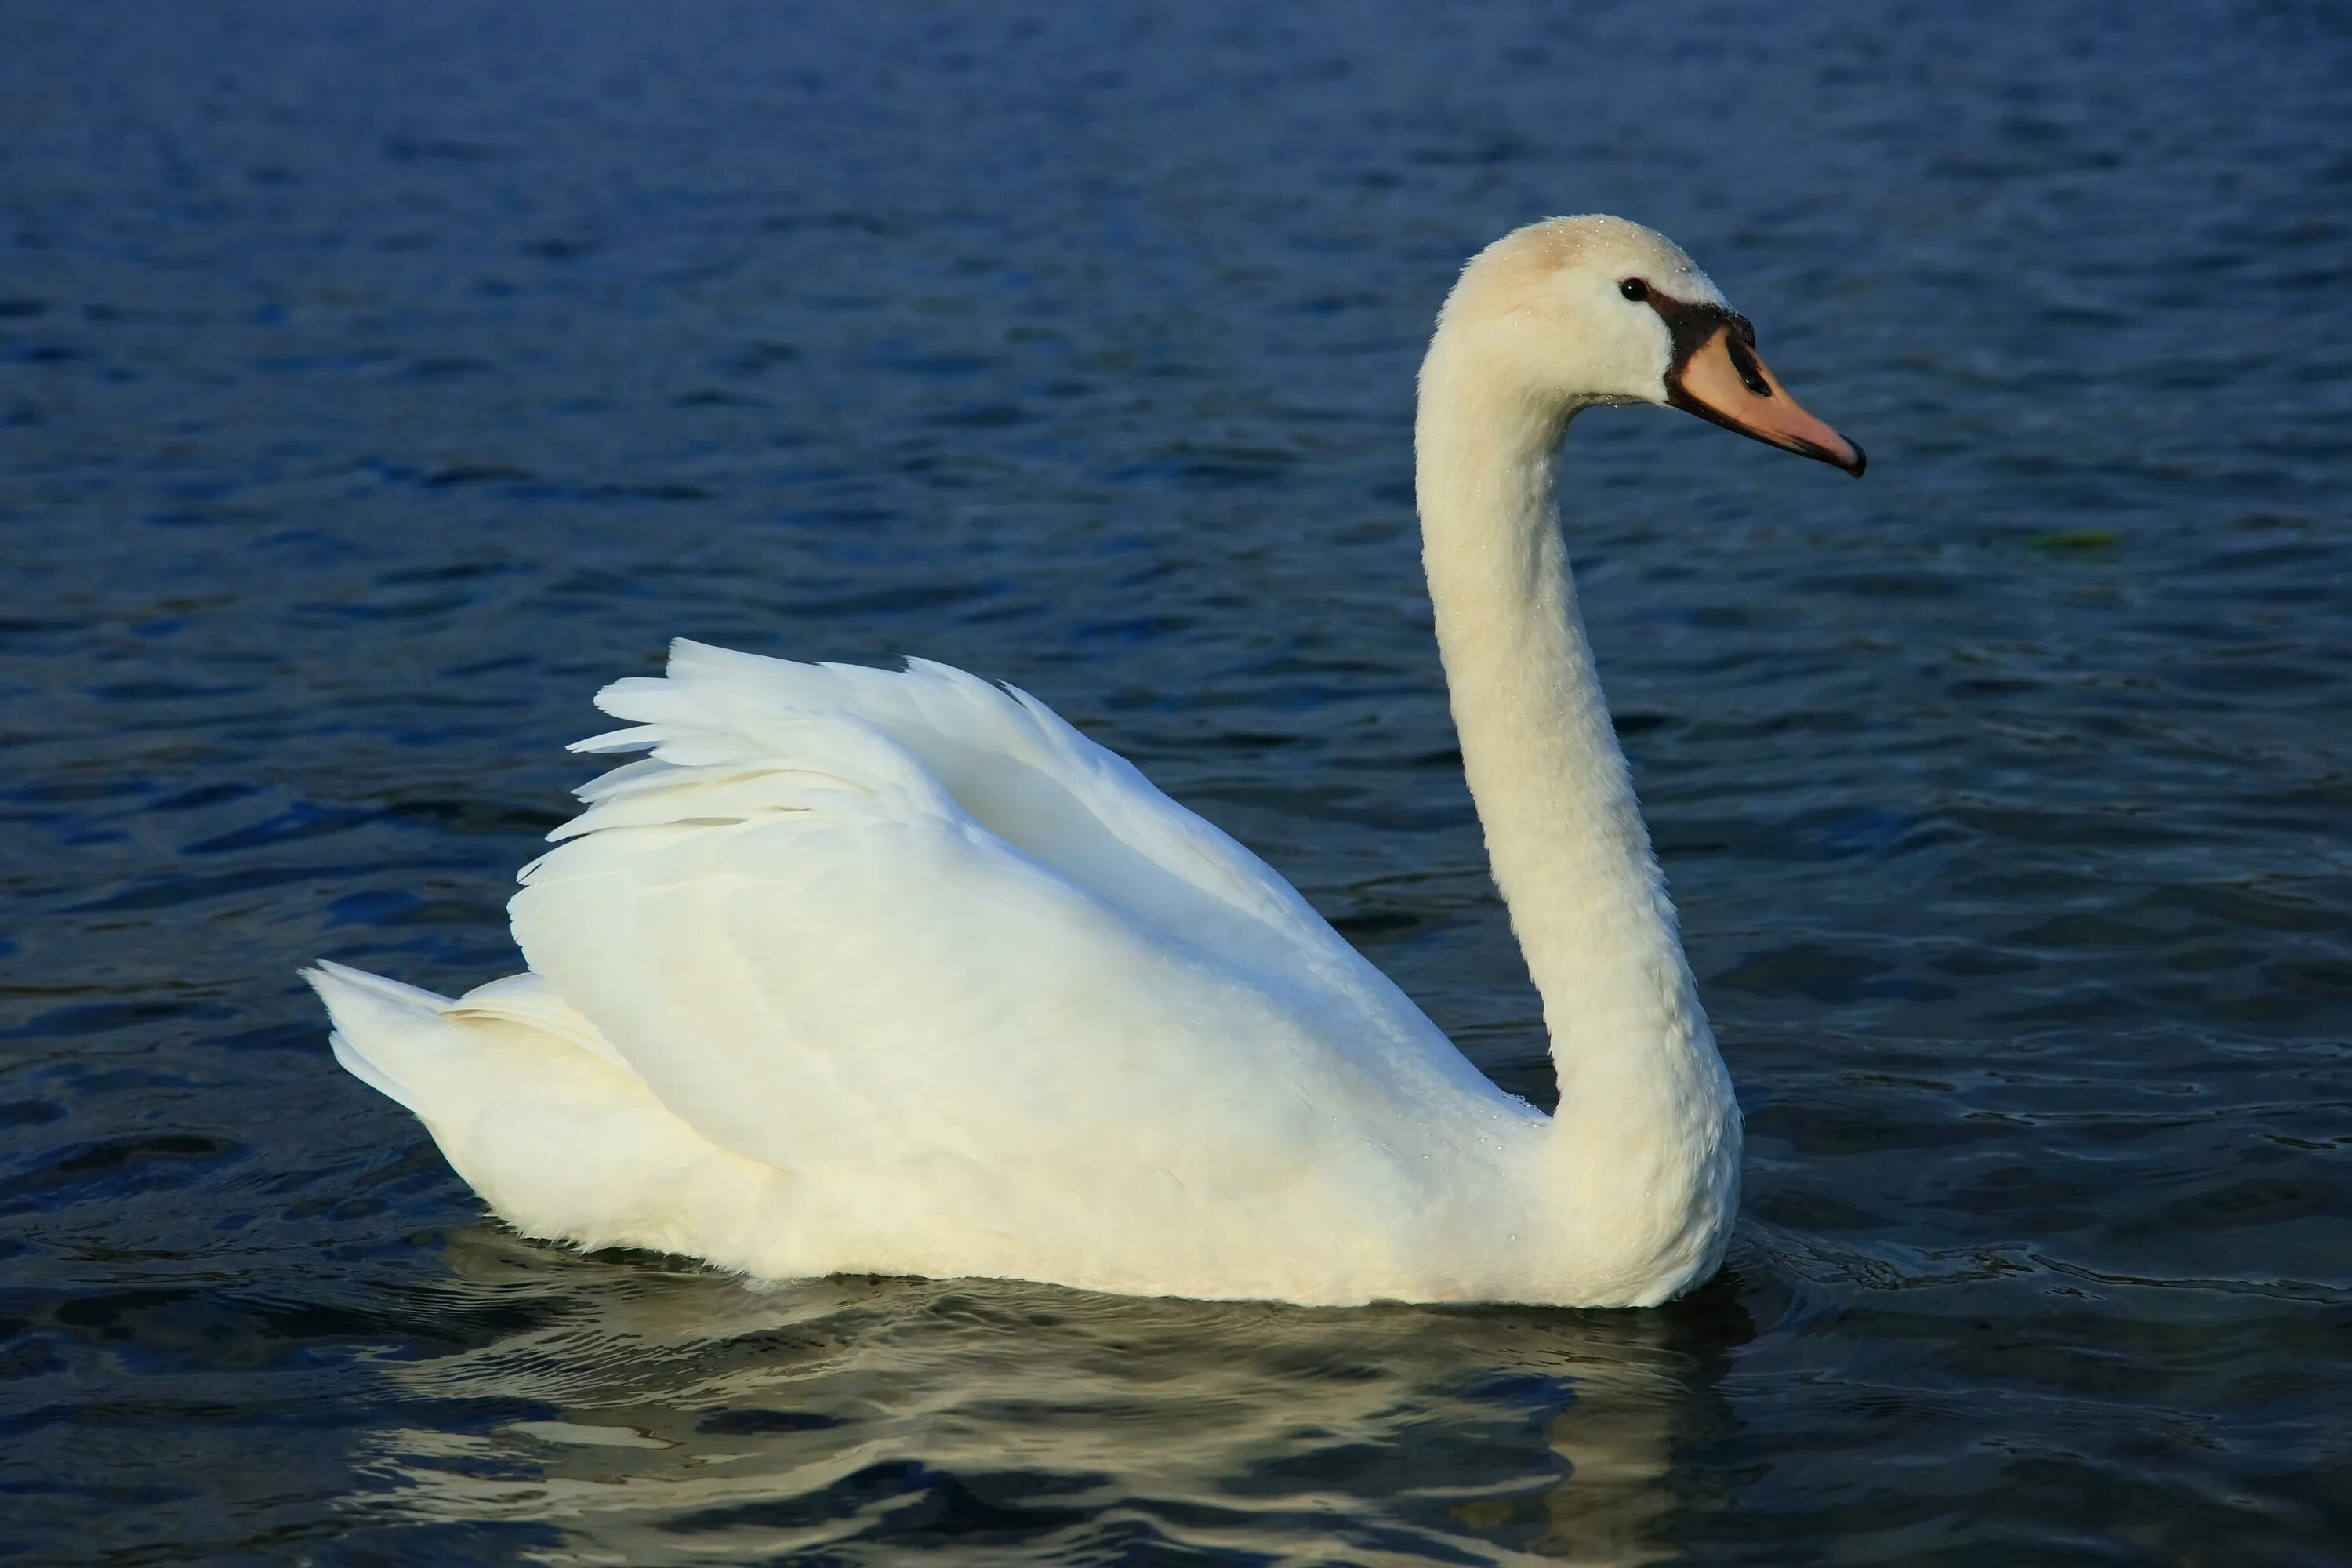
(895, 972)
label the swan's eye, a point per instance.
(1634, 289)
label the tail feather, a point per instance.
(368, 1073)
(333, 981)
(369, 1007)
(539, 1115)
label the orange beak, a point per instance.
(1722, 380)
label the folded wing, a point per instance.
(912, 934)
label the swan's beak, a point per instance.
(1722, 380)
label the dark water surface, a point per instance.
(376, 382)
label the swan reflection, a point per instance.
(646, 1415)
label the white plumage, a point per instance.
(866, 971)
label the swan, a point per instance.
(895, 973)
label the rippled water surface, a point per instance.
(376, 382)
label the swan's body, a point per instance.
(897, 973)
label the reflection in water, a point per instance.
(702, 1417)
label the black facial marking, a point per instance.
(1692, 325)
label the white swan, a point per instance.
(868, 971)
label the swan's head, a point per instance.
(1573, 312)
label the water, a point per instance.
(376, 382)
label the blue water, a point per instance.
(375, 382)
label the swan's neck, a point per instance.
(1636, 1063)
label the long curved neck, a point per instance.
(1629, 1040)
